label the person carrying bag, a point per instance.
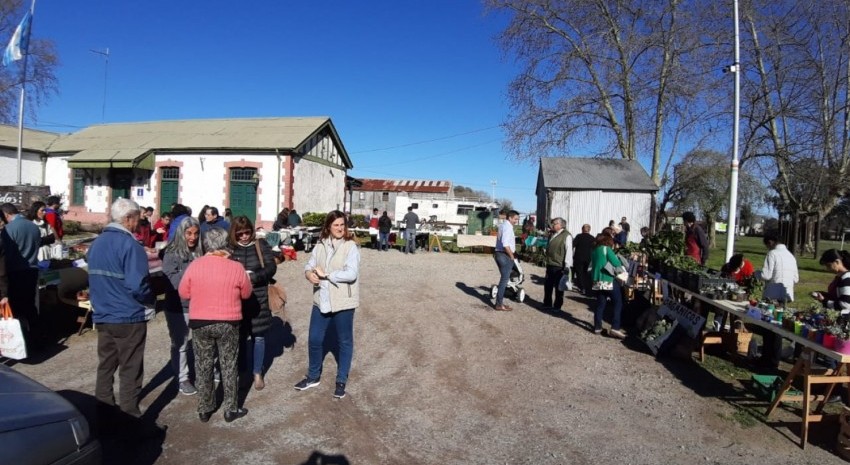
(605, 267)
(12, 343)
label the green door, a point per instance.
(122, 181)
(243, 193)
(168, 185)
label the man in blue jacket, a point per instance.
(119, 288)
(213, 221)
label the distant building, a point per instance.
(431, 200)
(254, 166)
(594, 191)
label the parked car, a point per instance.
(40, 427)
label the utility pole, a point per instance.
(105, 55)
(733, 178)
(493, 183)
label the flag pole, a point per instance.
(23, 96)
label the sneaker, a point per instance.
(617, 334)
(597, 331)
(306, 383)
(186, 388)
(339, 392)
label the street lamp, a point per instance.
(733, 178)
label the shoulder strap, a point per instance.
(260, 254)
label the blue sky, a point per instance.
(417, 90)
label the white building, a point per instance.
(594, 191)
(254, 166)
(431, 200)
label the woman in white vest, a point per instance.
(334, 272)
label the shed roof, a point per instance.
(134, 140)
(595, 174)
(34, 140)
(405, 185)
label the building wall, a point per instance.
(31, 168)
(597, 208)
(364, 201)
(318, 187)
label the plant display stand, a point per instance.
(811, 376)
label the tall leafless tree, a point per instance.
(617, 78)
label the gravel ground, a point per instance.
(440, 378)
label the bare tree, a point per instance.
(41, 62)
(701, 184)
(617, 78)
(796, 102)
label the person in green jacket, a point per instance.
(559, 257)
(605, 285)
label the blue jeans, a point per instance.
(178, 332)
(343, 323)
(257, 346)
(410, 241)
(616, 296)
(385, 237)
(505, 264)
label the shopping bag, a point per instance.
(277, 298)
(12, 344)
(566, 283)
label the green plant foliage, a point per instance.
(665, 245)
(71, 227)
(313, 218)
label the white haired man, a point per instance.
(120, 289)
(559, 258)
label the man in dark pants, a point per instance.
(558, 259)
(21, 240)
(119, 289)
(582, 246)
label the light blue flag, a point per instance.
(20, 41)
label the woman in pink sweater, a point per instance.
(215, 287)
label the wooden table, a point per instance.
(804, 366)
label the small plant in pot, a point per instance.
(841, 331)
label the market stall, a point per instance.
(771, 320)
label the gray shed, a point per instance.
(594, 191)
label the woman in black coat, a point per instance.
(257, 317)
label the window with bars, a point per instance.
(78, 196)
(242, 174)
(170, 173)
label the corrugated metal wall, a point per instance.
(597, 208)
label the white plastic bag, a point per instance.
(12, 342)
(566, 282)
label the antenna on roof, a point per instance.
(105, 54)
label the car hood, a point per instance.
(24, 403)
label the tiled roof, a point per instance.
(405, 185)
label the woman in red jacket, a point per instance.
(215, 286)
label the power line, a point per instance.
(426, 141)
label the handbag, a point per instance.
(566, 282)
(603, 286)
(618, 272)
(276, 294)
(12, 344)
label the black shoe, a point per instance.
(306, 383)
(238, 413)
(339, 392)
(204, 417)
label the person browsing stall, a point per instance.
(334, 272)
(738, 268)
(505, 255)
(837, 295)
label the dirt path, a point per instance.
(439, 378)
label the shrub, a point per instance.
(72, 227)
(313, 219)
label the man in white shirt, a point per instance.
(779, 271)
(505, 254)
(780, 274)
